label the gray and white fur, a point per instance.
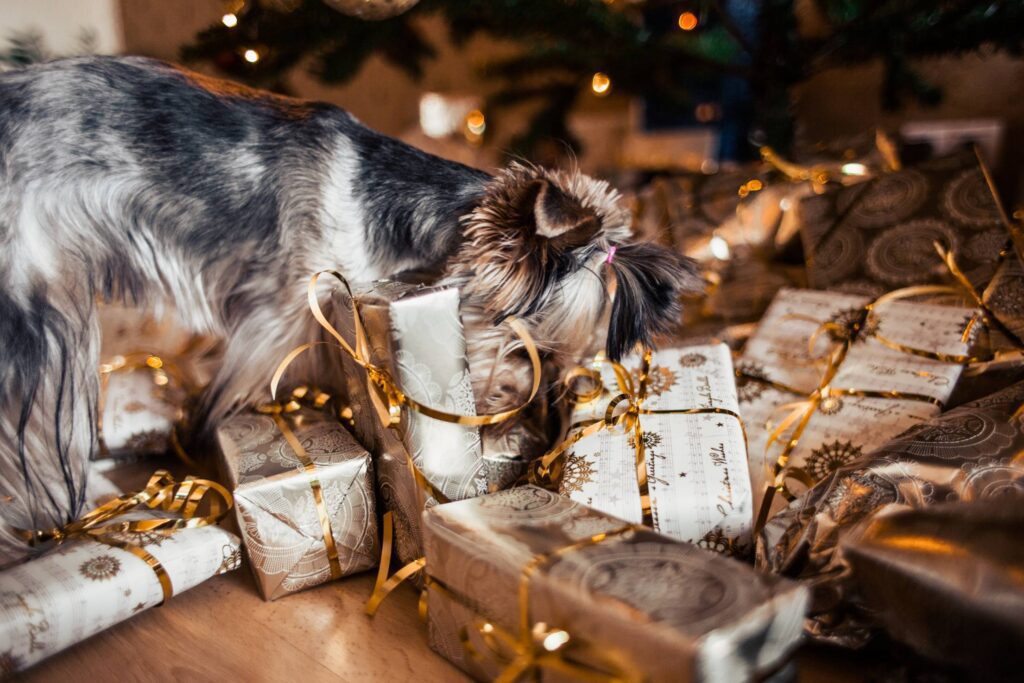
(131, 180)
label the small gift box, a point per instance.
(827, 377)
(414, 335)
(879, 235)
(525, 581)
(99, 577)
(969, 454)
(304, 498)
(141, 404)
(694, 455)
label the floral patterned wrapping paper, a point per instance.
(697, 469)
(844, 427)
(84, 586)
(661, 609)
(1004, 296)
(969, 455)
(877, 236)
(416, 333)
(275, 505)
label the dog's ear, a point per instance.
(559, 218)
(649, 282)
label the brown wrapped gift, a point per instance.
(879, 235)
(597, 595)
(287, 498)
(969, 453)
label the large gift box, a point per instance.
(526, 581)
(86, 585)
(415, 334)
(817, 418)
(968, 455)
(694, 456)
(304, 498)
(879, 235)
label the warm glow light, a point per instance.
(251, 56)
(688, 21)
(230, 20)
(555, 640)
(601, 84)
(719, 248)
(855, 169)
(754, 185)
(475, 122)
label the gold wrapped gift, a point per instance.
(304, 497)
(694, 453)
(525, 582)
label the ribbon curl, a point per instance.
(161, 492)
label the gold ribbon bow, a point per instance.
(278, 411)
(160, 493)
(537, 645)
(386, 394)
(547, 469)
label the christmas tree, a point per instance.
(737, 58)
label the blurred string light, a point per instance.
(854, 168)
(230, 20)
(719, 248)
(688, 21)
(601, 84)
(476, 124)
(251, 56)
(750, 186)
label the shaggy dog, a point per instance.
(127, 179)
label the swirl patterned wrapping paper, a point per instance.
(139, 416)
(877, 236)
(697, 469)
(416, 333)
(83, 587)
(275, 505)
(666, 610)
(848, 426)
(971, 454)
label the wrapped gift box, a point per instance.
(777, 368)
(878, 235)
(276, 501)
(636, 604)
(84, 587)
(1004, 296)
(415, 332)
(141, 408)
(968, 454)
(697, 470)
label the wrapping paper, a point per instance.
(275, 504)
(877, 236)
(1004, 296)
(847, 427)
(416, 333)
(649, 606)
(84, 587)
(968, 454)
(139, 414)
(956, 593)
(697, 470)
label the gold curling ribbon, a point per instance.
(386, 390)
(160, 493)
(384, 584)
(536, 645)
(547, 469)
(278, 411)
(162, 372)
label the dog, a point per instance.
(128, 179)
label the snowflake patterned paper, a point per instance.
(83, 587)
(696, 464)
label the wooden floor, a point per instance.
(223, 631)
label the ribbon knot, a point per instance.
(181, 499)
